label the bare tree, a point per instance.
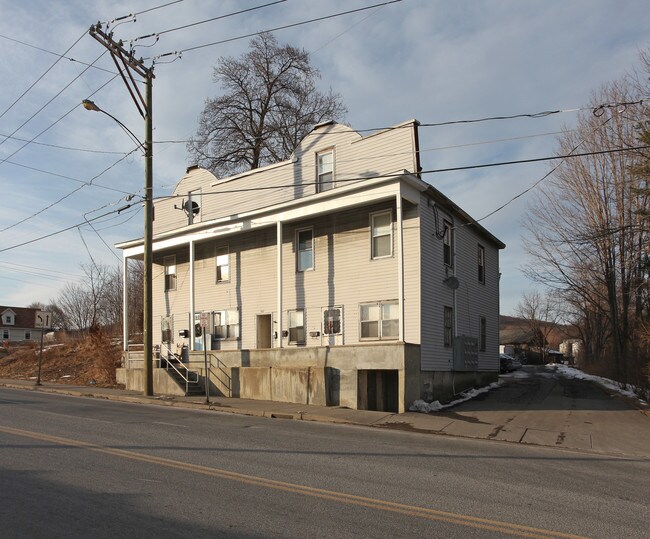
(587, 233)
(270, 103)
(541, 313)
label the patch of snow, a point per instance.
(436, 406)
(66, 376)
(570, 372)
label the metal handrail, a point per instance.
(220, 370)
(186, 376)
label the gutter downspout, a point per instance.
(400, 262)
(125, 303)
(192, 306)
(279, 283)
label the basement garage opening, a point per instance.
(377, 389)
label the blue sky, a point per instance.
(435, 61)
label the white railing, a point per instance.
(174, 361)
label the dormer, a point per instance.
(8, 318)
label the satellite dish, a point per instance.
(191, 207)
(451, 282)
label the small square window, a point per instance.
(381, 230)
(305, 249)
(223, 264)
(325, 170)
(297, 326)
(28, 335)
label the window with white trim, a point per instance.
(482, 333)
(28, 335)
(381, 232)
(447, 244)
(332, 321)
(297, 326)
(225, 324)
(5, 333)
(448, 328)
(325, 170)
(379, 320)
(170, 272)
(305, 249)
(481, 264)
(222, 261)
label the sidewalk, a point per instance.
(624, 433)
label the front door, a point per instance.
(264, 331)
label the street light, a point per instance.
(147, 148)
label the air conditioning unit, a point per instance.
(465, 353)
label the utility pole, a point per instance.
(126, 65)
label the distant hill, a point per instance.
(511, 325)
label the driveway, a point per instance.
(538, 405)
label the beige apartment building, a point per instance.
(337, 277)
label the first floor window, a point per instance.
(5, 333)
(379, 320)
(28, 335)
(482, 332)
(305, 249)
(170, 272)
(226, 324)
(381, 227)
(297, 326)
(332, 321)
(223, 264)
(448, 327)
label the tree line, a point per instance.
(588, 228)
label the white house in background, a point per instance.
(337, 277)
(17, 324)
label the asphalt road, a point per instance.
(76, 467)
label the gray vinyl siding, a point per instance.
(473, 299)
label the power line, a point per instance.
(41, 77)
(40, 268)
(180, 52)
(68, 194)
(133, 15)
(58, 147)
(158, 34)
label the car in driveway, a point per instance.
(508, 363)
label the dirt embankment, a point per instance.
(86, 360)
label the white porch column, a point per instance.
(125, 302)
(192, 308)
(400, 264)
(279, 283)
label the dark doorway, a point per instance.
(264, 328)
(378, 390)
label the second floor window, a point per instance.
(325, 170)
(170, 272)
(481, 264)
(223, 264)
(381, 229)
(305, 249)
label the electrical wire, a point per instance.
(143, 11)
(41, 77)
(158, 34)
(190, 49)
(58, 147)
(58, 201)
(3, 263)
